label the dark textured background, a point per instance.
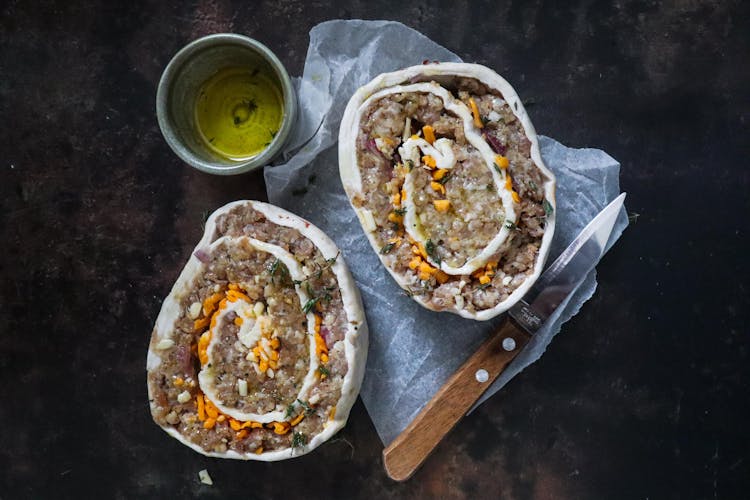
(644, 395)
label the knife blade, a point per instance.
(459, 393)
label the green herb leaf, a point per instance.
(548, 207)
(309, 410)
(431, 250)
(323, 370)
(289, 410)
(298, 440)
(273, 268)
(400, 211)
(332, 260)
(445, 179)
(533, 185)
(510, 224)
(387, 248)
(409, 165)
(310, 304)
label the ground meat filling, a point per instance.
(459, 210)
(237, 276)
(273, 294)
(461, 231)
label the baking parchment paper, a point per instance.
(412, 350)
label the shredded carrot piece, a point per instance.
(259, 450)
(515, 196)
(429, 133)
(414, 263)
(324, 358)
(475, 112)
(441, 205)
(201, 323)
(203, 342)
(242, 434)
(332, 413)
(297, 419)
(238, 321)
(424, 267)
(263, 366)
(441, 277)
(415, 136)
(437, 187)
(210, 303)
(396, 199)
(234, 295)
(394, 217)
(281, 428)
(484, 279)
(508, 182)
(476, 274)
(221, 418)
(275, 343)
(439, 173)
(235, 424)
(429, 161)
(250, 424)
(178, 381)
(209, 423)
(211, 410)
(201, 408)
(501, 161)
(403, 195)
(234, 286)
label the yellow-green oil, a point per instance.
(238, 112)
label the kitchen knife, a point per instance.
(407, 452)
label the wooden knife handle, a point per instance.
(407, 452)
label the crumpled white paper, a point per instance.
(412, 350)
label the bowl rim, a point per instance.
(166, 123)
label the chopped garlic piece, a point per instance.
(164, 344)
(194, 310)
(242, 387)
(507, 280)
(258, 308)
(368, 221)
(183, 397)
(205, 478)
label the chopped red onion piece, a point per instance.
(184, 361)
(326, 334)
(202, 255)
(494, 143)
(372, 146)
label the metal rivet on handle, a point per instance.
(509, 344)
(482, 375)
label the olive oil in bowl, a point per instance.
(238, 112)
